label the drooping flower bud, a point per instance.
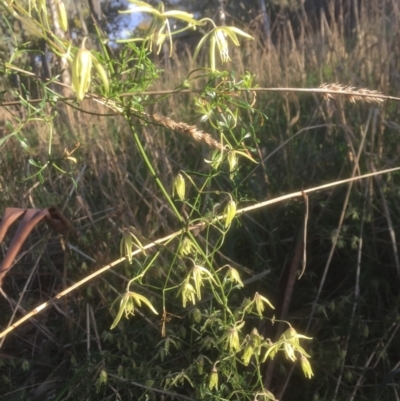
(62, 15)
(81, 70)
(126, 245)
(259, 301)
(291, 336)
(255, 338)
(234, 276)
(200, 364)
(179, 187)
(103, 377)
(196, 315)
(213, 379)
(233, 162)
(186, 247)
(248, 352)
(305, 365)
(230, 212)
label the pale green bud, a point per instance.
(247, 353)
(142, 368)
(179, 187)
(185, 247)
(126, 245)
(25, 365)
(81, 70)
(255, 338)
(230, 212)
(182, 332)
(200, 364)
(305, 365)
(196, 315)
(291, 336)
(103, 377)
(348, 376)
(213, 379)
(62, 15)
(188, 293)
(233, 162)
(233, 275)
(231, 337)
(366, 331)
(129, 307)
(260, 301)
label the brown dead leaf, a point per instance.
(30, 218)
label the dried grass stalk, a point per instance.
(190, 130)
(352, 93)
(186, 129)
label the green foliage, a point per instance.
(215, 335)
(216, 340)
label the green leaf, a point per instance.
(239, 32)
(199, 45)
(140, 298)
(3, 140)
(122, 306)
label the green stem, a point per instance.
(153, 172)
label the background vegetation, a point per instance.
(347, 299)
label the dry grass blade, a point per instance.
(353, 94)
(389, 220)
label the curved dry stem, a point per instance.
(329, 91)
